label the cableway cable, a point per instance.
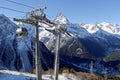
(12, 9)
(20, 4)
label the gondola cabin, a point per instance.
(21, 32)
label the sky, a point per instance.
(76, 11)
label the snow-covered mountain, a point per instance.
(97, 39)
(89, 41)
(16, 53)
(110, 28)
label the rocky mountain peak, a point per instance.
(61, 19)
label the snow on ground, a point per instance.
(14, 75)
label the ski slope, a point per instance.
(14, 75)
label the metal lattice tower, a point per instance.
(34, 18)
(91, 67)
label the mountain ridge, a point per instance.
(75, 52)
(104, 34)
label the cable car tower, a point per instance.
(35, 19)
(91, 67)
(57, 30)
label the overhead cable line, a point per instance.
(20, 4)
(12, 9)
(12, 17)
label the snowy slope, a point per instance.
(13, 75)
